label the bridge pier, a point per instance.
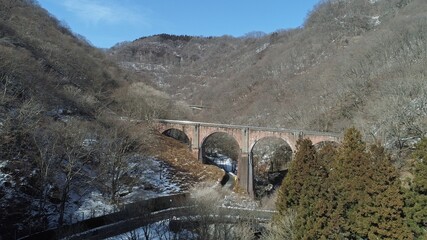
(196, 153)
(245, 174)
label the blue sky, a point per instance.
(107, 22)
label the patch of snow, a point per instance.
(3, 164)
(93, 205)
(233, 200)
(144, 66)
(5, 177)
(375, 20)
(262, 48)
(154, 179)
(89, 142)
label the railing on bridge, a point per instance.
(268, 129)
(142, 213)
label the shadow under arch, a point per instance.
(177, 135)
(222, 150)
(271, 157)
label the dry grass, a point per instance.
(179, 156)
(269, 202)
(176, 154)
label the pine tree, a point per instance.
(381, 215)
(293, 184)
(326, 202)
(327, 154)
(301, 190)
(416, 196)
(420, 180)
(366, 187)
(347, 181)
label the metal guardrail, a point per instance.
(179, 214)
(140, 214)
(127, 211)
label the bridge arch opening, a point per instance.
(271, 157)
(177, 135)
(222, 150)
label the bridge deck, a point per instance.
(221, 125)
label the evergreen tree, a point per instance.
(326, 202)
(420, 179)
(347, 183)
(366, 188)
(293, 184)
(301, 190)
(381, 215)
(416, 196)
(351, 193)
(327, 154)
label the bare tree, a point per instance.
(116, 147)
(74, 158)
(46, 142)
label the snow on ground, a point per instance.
(4, 177)
(7, 185)
(155, 179)
(375, 20)
(233, 200)
(91, 205)
(262, 48)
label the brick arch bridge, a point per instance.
(245, 136)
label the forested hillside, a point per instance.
(64, 136)
(352, 63)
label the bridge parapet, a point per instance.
(255, 128)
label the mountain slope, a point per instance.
(352, 63)
(63, 142)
